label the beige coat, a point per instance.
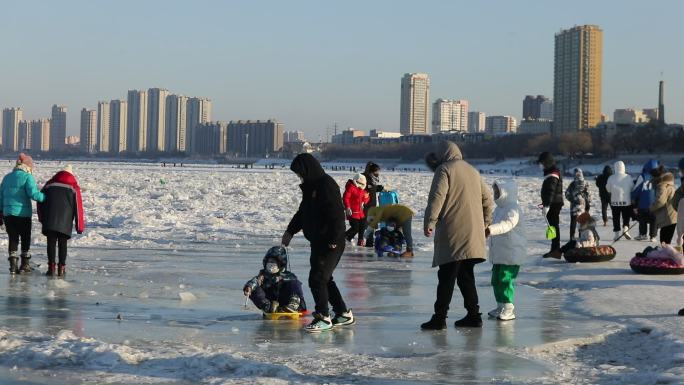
(459, 208)
(661, 208)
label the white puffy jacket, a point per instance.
(508, 245)
(620, 186)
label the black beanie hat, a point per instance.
(546, 159)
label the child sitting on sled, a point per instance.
(274, 289)
(390, 238)
(588, 236)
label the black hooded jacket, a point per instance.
(601, 182)
(321, 212)
(371, 187)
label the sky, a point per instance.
(312, 63)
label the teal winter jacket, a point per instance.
(16, 191)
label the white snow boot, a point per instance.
(507, 312)
(626, 231)
(495, 312)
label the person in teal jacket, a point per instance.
(17, 190)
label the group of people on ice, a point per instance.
(59, 207)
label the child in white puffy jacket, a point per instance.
(507, 249)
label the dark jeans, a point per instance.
(57, 241)
(647, 222)
(323, 288)
(573, 226)
(462, 273)
(625, 212)
(408, 237)
(287, 290)
(604, 210)
(667, 232)
(18, 227)
(356, 227)
(554, 220)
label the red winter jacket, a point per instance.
(354, 198)
(62, 206)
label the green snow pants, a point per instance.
(503, 282)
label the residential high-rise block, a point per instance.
(255, 138)
(577, 79)
(449, 115)
(24, 135)
(176, 123)
(89, 130)
(156, 119)
(40, 135)
(500, 124)
(198, 112)
(58, 128)
(136, 121)
(532, 107)
(293, 136)
(118, 126)
(415, 104)
(10, 128)
(103, 132)
(211, 138)
(476, 121)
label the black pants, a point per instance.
(604, 210)
(463, 274)
(573, 226)
(323, 288)
(625, 212)
(288, 289)
(356, 226)
(667, 232)
(647, 223)
(18, 227)
(554, 220)
(57, 241)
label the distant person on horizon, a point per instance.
(355, 199)
(620, 186)
(62, 208)
(552, 199)
(321, 217)
(17, 190)
(459, 208)
(665, 215)
(578, 195)
(601, 182)
(373, 187)
(677, 203)
(643, 195)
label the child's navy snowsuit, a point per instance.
(267, 287)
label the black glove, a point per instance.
(379, 188)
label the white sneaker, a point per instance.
(495, 312)
(616, 235)
(626, 231)
(507, 312)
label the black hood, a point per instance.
(371, 167)
(607, 171)
(546, 160)
(306, 166)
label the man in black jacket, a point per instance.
(552, 199)
(373, 186)
(321, 218)
(601, 181)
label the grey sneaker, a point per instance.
(344, 319)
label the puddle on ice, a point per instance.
(124, 308)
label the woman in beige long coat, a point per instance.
(661, 208)
(458, 211)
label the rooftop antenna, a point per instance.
(335, 127)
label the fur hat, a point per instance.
(68, 169)
(25, 160)
(360, 181)
(583, 218)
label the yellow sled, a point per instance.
(283, 316)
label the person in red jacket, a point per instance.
(62, 208)
(355, 198)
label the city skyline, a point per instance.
(335, 74)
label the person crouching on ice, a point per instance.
(274, 285)
(508, 247)
(62, 207)
(390, 237)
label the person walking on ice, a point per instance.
(62, 208)
(321, 217)
(620, 186)
(355, 197)
(17, 190)
(508, 247)
(458, 210)
(552, 199)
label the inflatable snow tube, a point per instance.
(645, 265)
(590, 254)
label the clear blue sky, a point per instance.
(309, 63)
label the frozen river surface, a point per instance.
(158, 235)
